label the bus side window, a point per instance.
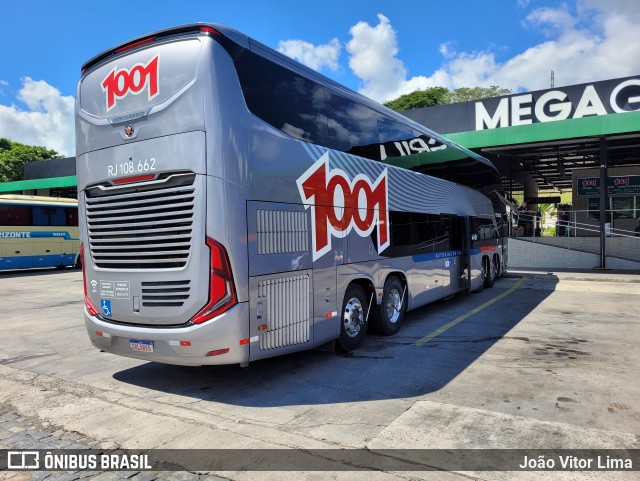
(56, 216)
(282, 98)
(5, 215)
(20, 215)
(425, 233)
(40, 216)
(444, 234)
(353, 127)
(72, 216)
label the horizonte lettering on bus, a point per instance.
(15, 235)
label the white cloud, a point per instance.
(374, 59)
(48, 122)
(588, 40)
(315, 57)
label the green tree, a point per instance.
(466, 94)
(421, 98)
(13, 156)
(442, 96)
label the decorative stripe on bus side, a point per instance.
(36, 235)
(27, 262)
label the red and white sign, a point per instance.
(120, 83)
(339, 205)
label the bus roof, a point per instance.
(243, 41)
(37, 200)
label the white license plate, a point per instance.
(145, 346)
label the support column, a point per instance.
(604, 197)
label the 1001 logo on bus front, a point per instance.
(339, 205)
(120, 83)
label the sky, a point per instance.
(380, 48)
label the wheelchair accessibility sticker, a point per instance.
(105, 307)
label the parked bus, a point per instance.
(236, 205)
(38, 231)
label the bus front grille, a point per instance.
(146, 227)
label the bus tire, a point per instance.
(483, 276)
(491, 273)
(353, 319)
(387, 318)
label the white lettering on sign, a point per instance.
(500, 117)
(559, 109)
(554, 105)
(339, 205)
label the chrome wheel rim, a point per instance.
(353, 317)
(393, 306)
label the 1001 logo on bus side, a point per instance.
(339, 205)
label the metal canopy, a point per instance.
(551, 164)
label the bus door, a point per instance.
(455, 259)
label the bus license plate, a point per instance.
(145, 346)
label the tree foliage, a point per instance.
(466, 94)
(443, 96)
(420, 98)
(13, 156)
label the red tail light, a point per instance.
(87, 302)
(222, 292)
(210, 30)
(135, 44)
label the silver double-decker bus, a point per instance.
(236, 205)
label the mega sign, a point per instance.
(339, 205)
(573, 102)
(120, 83)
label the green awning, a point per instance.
(68, 181)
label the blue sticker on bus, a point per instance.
(105, 307)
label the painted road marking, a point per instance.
(461, 318)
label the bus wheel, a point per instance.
(491, 273)
(353, 320)
(388, 317)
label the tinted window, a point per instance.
(52, 216)
(280, 97)
(401, 236)
(426, 233)
(19, 215)
(72, 216)
(353, 127)
(393, 131)
(5, 215)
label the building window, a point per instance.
(623, 207)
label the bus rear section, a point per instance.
(160, 189)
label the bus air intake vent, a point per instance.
(148, 226)
(165, 294)
(288, 311)
(281, 231)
